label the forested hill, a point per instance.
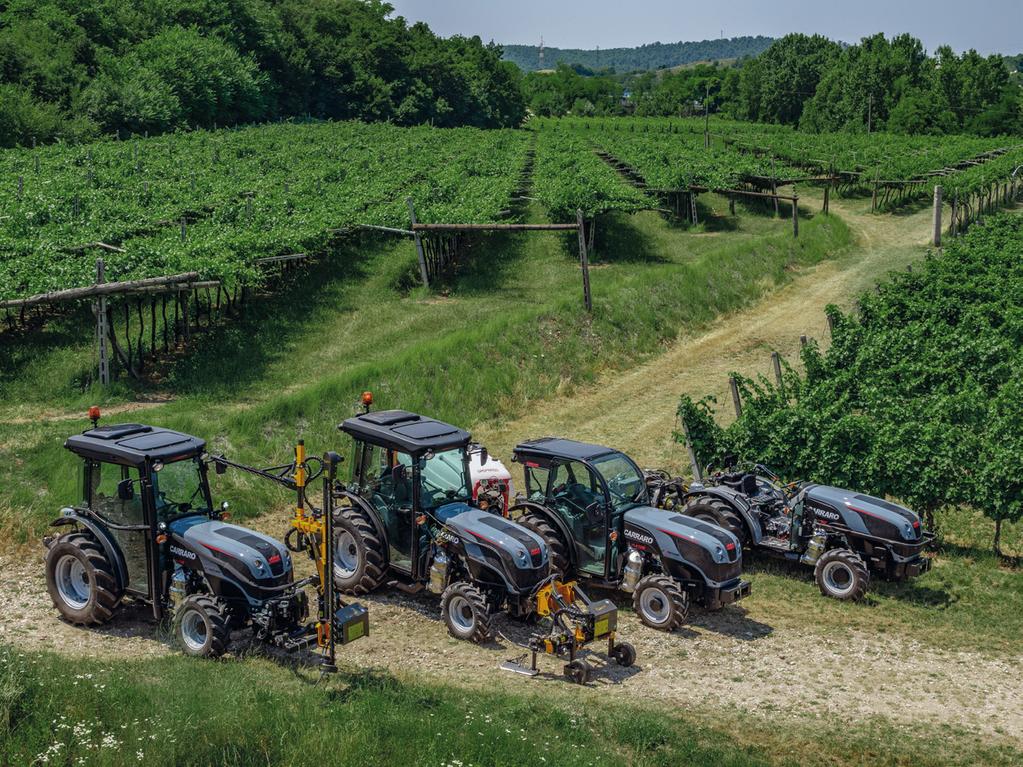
(652, 56)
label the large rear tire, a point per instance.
(202, 626)
(466, 612)
(359, 553)
(841, 574)
(717, 512)
(660, 603)
(81, 580)
(557, 547)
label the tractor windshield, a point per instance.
(444, 479)
(624, 481)
(179, 489)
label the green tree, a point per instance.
(775, 85)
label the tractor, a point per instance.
(842, 534)
(591, 506)
(146, 530)
(406, 520)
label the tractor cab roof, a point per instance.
(557, 447)
(405, 432)
(134, 444)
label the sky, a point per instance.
(990, 26)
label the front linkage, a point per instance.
(312, 531)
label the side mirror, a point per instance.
(126, 490)
(484, 456)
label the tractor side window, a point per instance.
(104, 480)
(574, 490)
(536, 481)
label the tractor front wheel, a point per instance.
(841, 574)
(465, 612)
(660, 603)
(359, 553)
(201, 626)
(81, 580)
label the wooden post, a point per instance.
(803, 341)
(101, 327)
(795, 215)
(952, 228)
(584, 262)
(774, 186)
(697, 474)
(776, 362)
(731, 205)
(937, 216)
(734, 386)
(184, 298)
(827, 199)
(831, 325)
(184, 229)
(21, 186)
(419, 245)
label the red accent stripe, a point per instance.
(214, 548)
(677, 535)
(484, 538)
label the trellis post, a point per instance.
(937, 216)
(795, 215)
(584, 262)
(697, 474)
(419, 245)
(776, 362)
(734, 386)
(101, 327)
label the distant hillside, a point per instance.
(653, 56)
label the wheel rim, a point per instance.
(462, 614)
(73, 582)
(194, 632)
(346, 555)
(839, 578)
(655, 605)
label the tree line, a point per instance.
(74, 69)
(813, 83)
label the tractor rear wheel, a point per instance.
(465, 612)
(359, 553)
(81, 581)
(557, 548)
(841, 574)
(201, 626)
(660, 603)
(578, 671)
(717, 512)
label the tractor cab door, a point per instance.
(577, 495)
(114, 494)
(385, 479)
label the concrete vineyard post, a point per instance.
(584, 262)
(936, 240)
(734, 386)
(419, 245)
(100, 307)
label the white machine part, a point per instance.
(491, 479)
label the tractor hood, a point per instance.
(499, 550)
(862, 513)
(716, 543)
(525, 548)
(235, 551)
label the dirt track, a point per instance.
(724, 661)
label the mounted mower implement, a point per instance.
(146, 530)
(575, 621)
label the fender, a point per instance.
(737, 503)
(357, 500)
(110, 547)
(555, 521)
